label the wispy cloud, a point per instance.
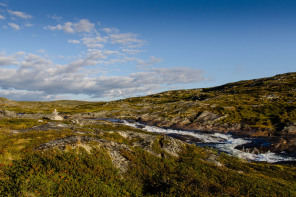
(3, 4)
(2, 17)
(19, 14)
(27, 76)
(38, 75)
(74, 41)
(81, 26)
(14, 26)
(128, 39)
(55, 17)
(150, 62)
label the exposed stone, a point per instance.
(55, 116)
(7, 113)
(212, 158)
(113, 148)
(290, 129)
(48, 126)
(145, 141)
(206, 116)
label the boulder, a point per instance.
(206, 116)
(291, 129)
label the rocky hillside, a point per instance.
(100, 158)
(84, 156)
(264, 106)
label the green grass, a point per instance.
(72, 173)
(25, 171)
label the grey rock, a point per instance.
(48, 126)
(206, 116)
(7, 113)
(291, 129)
(113, 148)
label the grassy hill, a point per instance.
(266, 104)
(108, 159)
(100, 158)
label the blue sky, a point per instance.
(111, 49)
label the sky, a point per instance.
(101, 50)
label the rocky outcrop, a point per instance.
(290, 129)
(145, 141)
(206, 116)
(287, 144)
(6, 113)
(113, 148)
(48, 127)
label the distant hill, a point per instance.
(266, 104)
(5, 101)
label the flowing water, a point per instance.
(223, 142)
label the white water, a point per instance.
(223, 142)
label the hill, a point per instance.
(85, 156)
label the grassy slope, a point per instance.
(263, 103)
(27, 172)
(267, 103)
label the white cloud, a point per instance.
(83, 26)
(3, 4)
(2, 17)
(131, 51)
(40, 76)
(128, 39)
(150, 62)
(6, 61)
(110, 30)
(14, 26)
(90, 72)
(19, 14)
(94, 42)
(74, 41)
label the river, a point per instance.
(223, 142)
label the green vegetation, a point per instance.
(53, 173)
(15, 123)
(266, 104)
(25, 171)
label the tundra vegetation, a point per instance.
(90, 157)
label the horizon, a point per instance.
(147, 94)
(111, 50)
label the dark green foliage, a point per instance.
(67, 174)
(79, 173)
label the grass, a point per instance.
(25, 171)
(266, 104)
(260, 104)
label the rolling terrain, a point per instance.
(87, 155)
